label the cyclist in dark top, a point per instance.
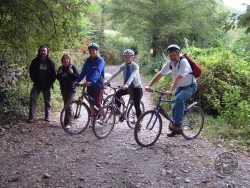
(43, 74)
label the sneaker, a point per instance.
(118, 112)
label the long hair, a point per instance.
(66, 55)
(43, 46)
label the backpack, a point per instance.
(196, 68)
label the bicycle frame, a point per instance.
(159, 110)
(124, 106)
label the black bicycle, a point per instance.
(149, 125)
(106, 116)
(75, 116)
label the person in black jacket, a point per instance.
(67, 75)
(43, 75)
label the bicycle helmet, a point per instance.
(173, 47)
(93, 45)
(128, 52)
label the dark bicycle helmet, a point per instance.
(93, 45)
(174, 47)
(128, 52)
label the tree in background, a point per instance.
(157, 23)
(25, 25)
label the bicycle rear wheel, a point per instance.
(192, 123)
(75, 117)
(104, 121)
(148, 128)
(131, 115)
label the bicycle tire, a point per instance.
(148, 123)
(131, 115)
(193, 123)
(102, 127)
(80, 117)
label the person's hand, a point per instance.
(75, 84)
(70, 71)
(147, 88)
(125, 86)
(106, 82)
(60, 71)
(87, 84)
(169, 93)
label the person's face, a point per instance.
(43, 52)
(128, 58)
(174, 56)
(65, 61)
(92, 52)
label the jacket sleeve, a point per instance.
(97, 72)
(32, 72)
(53, 73)
(118, 71)
(134, 73)
(58, 76)
(75, 74)
(83, 73)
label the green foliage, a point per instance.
(148, 64)
(114, 45)
(156, 24)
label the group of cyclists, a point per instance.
(43, 74)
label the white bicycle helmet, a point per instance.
(128, 52)
(174, 47)
(93, 45)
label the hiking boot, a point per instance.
(175, 129)
(30, 120)
(173, 133)
(47, 119)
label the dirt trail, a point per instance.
(43, 155)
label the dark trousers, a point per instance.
(135, 95)
(68, 96)
(35, 92)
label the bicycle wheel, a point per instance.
(131, 115)
(75, 117)
(104, 124)
(192, 123)
(148, 128)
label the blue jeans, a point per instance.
(181, 95)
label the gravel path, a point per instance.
(43, 155)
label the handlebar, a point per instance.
(113, 87)
(157, 91)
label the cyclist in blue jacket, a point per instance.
(93, 70)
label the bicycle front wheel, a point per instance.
(148, 128)
(131, 115)
(192, 123)
(75, 117)
(104, 121)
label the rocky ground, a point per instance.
(43, 155)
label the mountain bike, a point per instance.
(75, 116)
(149, 125)
(103, 126)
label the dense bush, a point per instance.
(114, 45)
